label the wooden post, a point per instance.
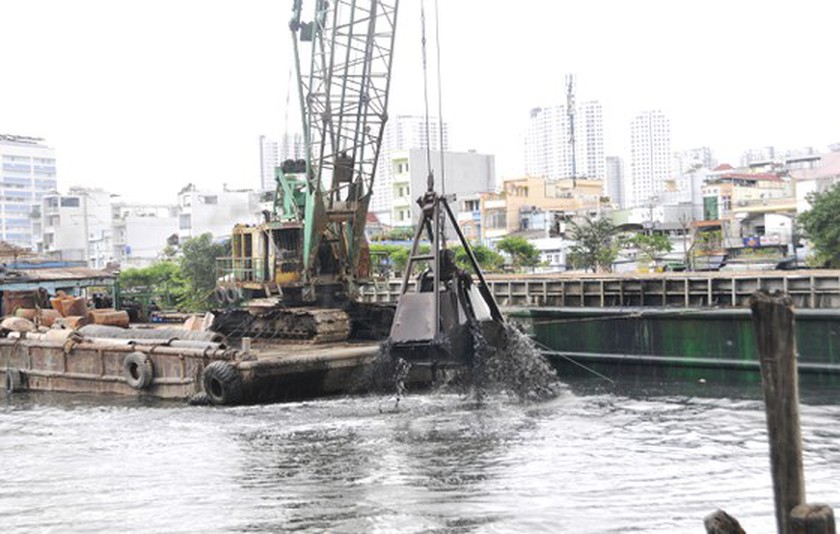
(719, 522)
(772, 317)
(812, 519)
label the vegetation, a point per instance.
(488, 259)
(399, 233)
(650, 246)
(821, 225)
(198, 267)
(522, 252)
(186, 283)
(161, 282)
(709, 241)
(396, 258)
(595, 245)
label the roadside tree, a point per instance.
(522, 252)
(595, 245)
(821, 225)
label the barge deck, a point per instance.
(180, 369)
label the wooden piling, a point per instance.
(773, 324)
(812, 519)
(719, 522)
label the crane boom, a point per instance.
(297, 273)
(343, 60)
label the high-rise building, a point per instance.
(548, 150)
(27, 174)
(614, 181)
(402, 133)
(693, 158)
(269, 159)
(650, 157)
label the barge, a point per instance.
(172, 364)
(676, 343)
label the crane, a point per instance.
(296, 274)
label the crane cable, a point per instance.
(430, 181)
(426, 98)
(440, 102)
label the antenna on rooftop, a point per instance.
(570, 112)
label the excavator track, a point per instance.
(306, 325)
(303, 325)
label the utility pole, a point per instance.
(570, 114)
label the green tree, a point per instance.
(821, 225)
(522, 252)
(198, 266)
(488, 259)
(595, 244)
(161, 282)
(650, 246)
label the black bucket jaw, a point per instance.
(438, 324)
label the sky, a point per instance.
(144, 97)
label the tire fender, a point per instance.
(220, 295)
(14, 380)
(222, 383)
(138, 370)
(232, 295)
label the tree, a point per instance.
(522, 252)
(821, 225)
(488, 259)
(595, 247)
(161, 282)
(650, 246)
(198, 266)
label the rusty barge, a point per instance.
(200, 369)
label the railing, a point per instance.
(808, 289)
(232, 269)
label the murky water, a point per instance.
(597, 458)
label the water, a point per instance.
(596, 458)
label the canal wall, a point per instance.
(677, 342)
(813, 289)
(689, 325)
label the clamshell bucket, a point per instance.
(448, 316)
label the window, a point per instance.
(185, 221)
(210, 199)
(70, 202)
(472, 205)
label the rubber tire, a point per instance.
(232, 295)
(138, 370)
(14, 380)
(222, 383)
(200, 399)
(220, 295)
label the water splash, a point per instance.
(515, 367)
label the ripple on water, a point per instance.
(593, 459)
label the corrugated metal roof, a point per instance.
(52, 274)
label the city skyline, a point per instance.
(144, 116)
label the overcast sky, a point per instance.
(143, 97)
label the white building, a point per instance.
(273, 154)
(402, 133)
(142, 231)
(548, 152)
(465, 174)
(693, 158)
(269, 159)
(614, 180)
(215, 212)
(77, 227)
(27, 173)
(650, 157)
